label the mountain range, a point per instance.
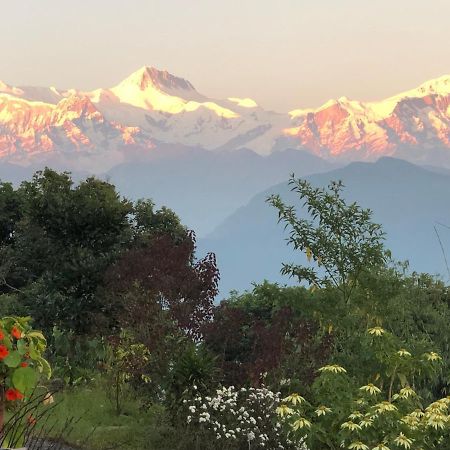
(409, 201)
(214, 162)
(96, 130)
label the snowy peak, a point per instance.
(7, 89)
(154, 90)
(416, 119)
(163, 80)
(151, 78)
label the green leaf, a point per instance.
(22, 346)
(37, 334)
(34, 354)
(403, 379)
(45, 366)
(13, 359)
(24, 379)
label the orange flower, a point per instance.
(15, 332)
(13, 394)
(24, 364)
(4, 352)
(2, 336)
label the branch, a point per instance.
(442, 249)
(5, 283)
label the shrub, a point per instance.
(235, 419)
(258, 344)
(75, 359)
(21, 360)
(385, 413)
(126, 362)
(194, 365)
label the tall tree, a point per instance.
(59, 238)
(165, 278)
(339, 239)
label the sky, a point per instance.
(285, 54)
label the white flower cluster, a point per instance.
(244, 416)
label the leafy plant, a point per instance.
(233, 418)
(339, 239)
(385, 413)
(259, 339)
(75, 359)
(21, 360)
(127, 360)
(28, 421)
(194, 365)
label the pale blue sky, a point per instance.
(283, 53)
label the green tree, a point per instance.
(66, 239)
(10, 214)
(10, 211)
(339, 239)
(58, 238)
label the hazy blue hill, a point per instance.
(205, 187)
(14, 174)
(408, 200)
(202, 187)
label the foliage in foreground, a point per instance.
(384, 413)
(132, 327)
(235, 418)
(98, 427)
(22, 363)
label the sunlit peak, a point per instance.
(148, 76)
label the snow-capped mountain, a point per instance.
(417, 118)
(151, 107)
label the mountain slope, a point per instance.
(406, 199)
(152, 107)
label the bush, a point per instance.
(235, 419)
(75, 359)
(385, 413)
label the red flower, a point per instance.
(16, 333)
(4, 352)
(2, 336)
(10, 395)
(13, 394)
(24, 364)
